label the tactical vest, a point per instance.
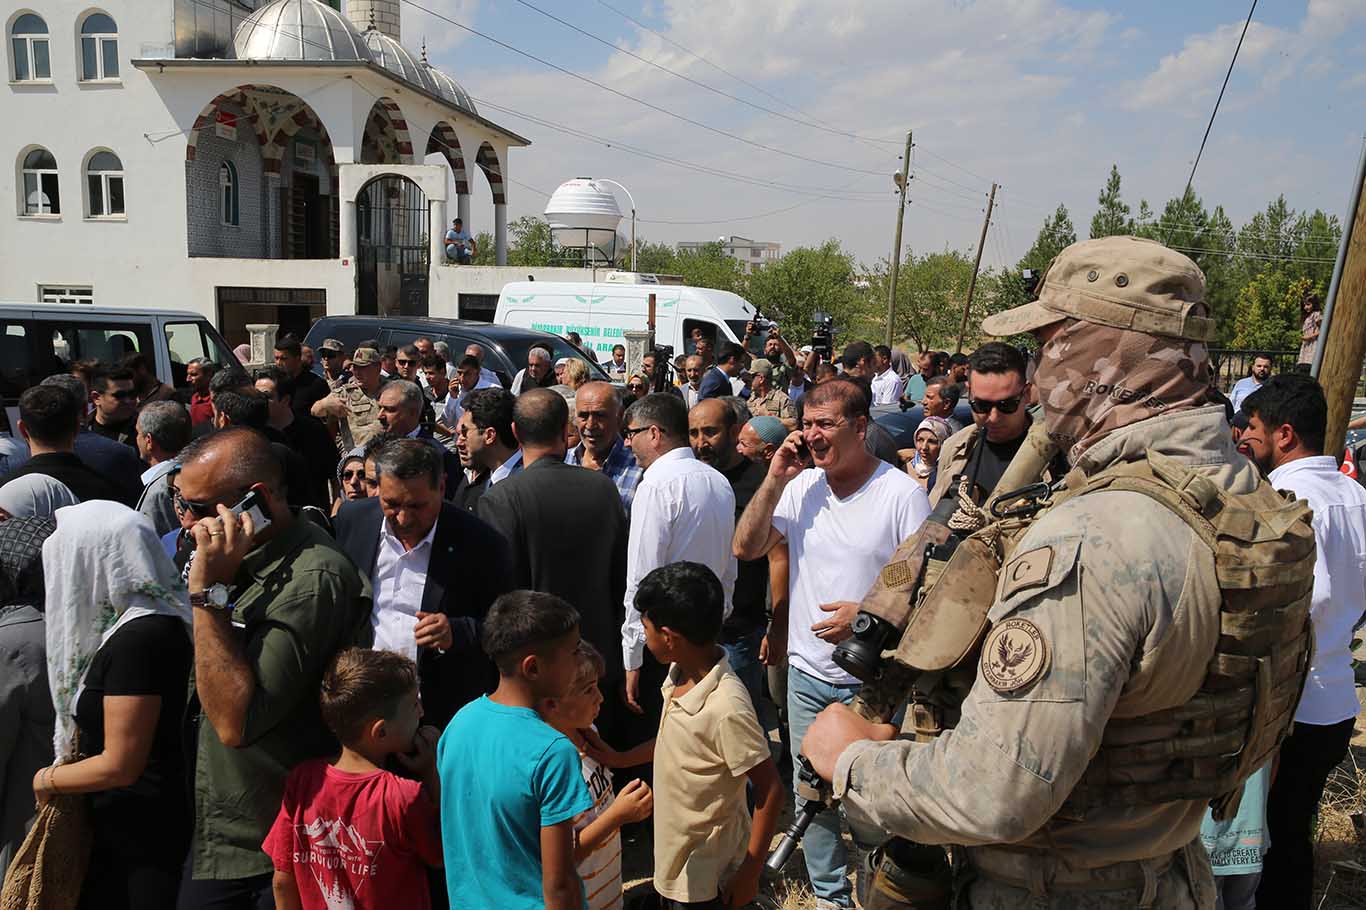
(1264, 552)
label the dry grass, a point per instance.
(1340, 854)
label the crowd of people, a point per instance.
(392, 634)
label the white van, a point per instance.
(600, 311)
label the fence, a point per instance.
(1231, 364)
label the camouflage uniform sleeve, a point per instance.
(1090, 593)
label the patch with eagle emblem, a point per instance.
(1013, 655)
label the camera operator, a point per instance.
(776, 351)
(654, 366)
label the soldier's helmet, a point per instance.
(1125, 282)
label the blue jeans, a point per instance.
(826, 858)
(743, 657)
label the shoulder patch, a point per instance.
(1013, 655)
(1028, 570)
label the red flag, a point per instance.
(1349, 464)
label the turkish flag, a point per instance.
(1349, 464)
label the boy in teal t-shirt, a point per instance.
(510, 783)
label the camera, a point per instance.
(823, 335)
(758, 330)
(1029, 280)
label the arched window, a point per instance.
(40, 184)
(99, 48)
(227, 193)
(28, 49)
(104, 178)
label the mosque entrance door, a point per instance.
(393, 253)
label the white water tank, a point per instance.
(583, 214)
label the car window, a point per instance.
(516, 351)
(15, 359)
(186, 341)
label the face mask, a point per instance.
(1093, 379)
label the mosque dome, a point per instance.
(449, 89)
(396, 58)
(299, 30)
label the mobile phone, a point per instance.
(254, 505)
(803, 452)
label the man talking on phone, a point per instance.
(842, 513)
(274, 599)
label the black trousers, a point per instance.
(252, 893)
(1307, 757)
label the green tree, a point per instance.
(485, 253)
(1268, 311)
(710, 267)
(806, 279)
(930, 292)
(532, 244)
(1113, 215)
(656, 258)
(1056, 235)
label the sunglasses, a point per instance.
(206, 509)
(123, 394)
(636, 387)
(354, 474)
(327, 353)
(405, 363)
(1005, 405)
(632, 431)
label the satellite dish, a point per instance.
(583, 214)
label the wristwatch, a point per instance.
(214, 598)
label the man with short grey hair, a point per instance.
(400, 411)
(163, 429)
(538, 372)
(487, 378)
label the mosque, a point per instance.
(258, 163)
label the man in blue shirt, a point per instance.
(460, 246)
(1261, 371)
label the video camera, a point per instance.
(823, 335)
(758, 329)
(1029, 280)
(664, 358)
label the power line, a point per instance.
(1209, 126)
(954, 164)
(654, 107)
(688, 79)
(679, 162)
(739, 79)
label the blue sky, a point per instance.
(1039, 95)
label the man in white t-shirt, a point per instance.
(887, 385)
(841, 519)
(1287, 417)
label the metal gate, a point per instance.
(393, 255)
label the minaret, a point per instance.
(383, 15)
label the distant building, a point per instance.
(752, 254)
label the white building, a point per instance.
(752, 254)
(254, 164)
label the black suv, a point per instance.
(505, 347)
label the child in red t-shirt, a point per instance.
(349, 833)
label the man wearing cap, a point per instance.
(460, 246)
(760, 437)
(764, 398)
(353, 406)
(333, 354)
(1091, 739)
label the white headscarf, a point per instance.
(35, 496)
(104, 567)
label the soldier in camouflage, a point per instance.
(352, 409)
(1065, 782)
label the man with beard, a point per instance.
(713, 432)
(1261, 371)
(1287, 418)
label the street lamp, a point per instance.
(632, 200)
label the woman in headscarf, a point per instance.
(351, 478)
(34, 496)
(929, 439)
(25, 703)
(243, 353)
(118, 659)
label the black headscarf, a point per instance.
(21, 561)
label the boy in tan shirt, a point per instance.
(707, 853)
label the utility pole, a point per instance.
(896, 247)
(1342, 339)
(976, 263)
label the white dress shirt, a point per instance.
(507, 468)
(400, 578)
(689, 395)
(887, 387)
(683, 510)
(1339, 598)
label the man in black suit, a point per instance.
(716, 383)
(49, 417)
(400, 413)
(543, 512)
(435, 570)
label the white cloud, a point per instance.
(1196, 71)
(440, 36)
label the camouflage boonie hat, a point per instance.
(364, 357)
(331, 344)
(1123, 282)
(760, 365)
